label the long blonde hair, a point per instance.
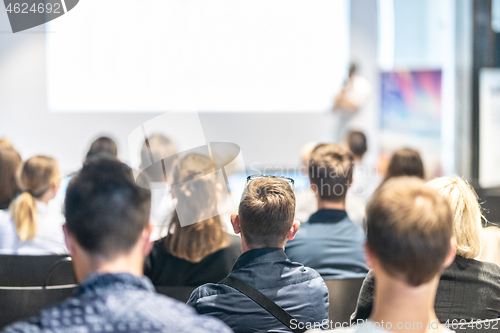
(196, 241)
(467, 215)
(35, 178)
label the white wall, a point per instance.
(269, 139)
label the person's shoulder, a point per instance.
(178, 316)
(159, 246)
(485, 268)
(355, 227)
(181, 317)
(28, 325)
(6, 220)
(488, 272)
(209, 289)
(488, 267)
(300, 273)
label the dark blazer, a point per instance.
(299, 290)
(164, 269)
(468, 289)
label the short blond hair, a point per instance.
(467, 215)
(266, 212)
(409, 228)
(330, 170)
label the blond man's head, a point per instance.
(409, 230)
(266, 212)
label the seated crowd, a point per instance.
(413, 243)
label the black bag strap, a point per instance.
(274, 309)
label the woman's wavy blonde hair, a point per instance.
(467, 214)
(196, 241)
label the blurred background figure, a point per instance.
(159, 147)
(102, 146)
(10, 160)
(33, 228)
(199, 253)
(405, 162)
(365, 179)
(349, 100)
(330, 242)
(5, 143)
(306, 202)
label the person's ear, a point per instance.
(293, 230)
(450, 257)
(370, 258)
(312, 186)
(147, 245)
(68, 240)
(56, 185)
(235, 221)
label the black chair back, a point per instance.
(28, 271)
(343, 298)
(179, 293)
(23, 302)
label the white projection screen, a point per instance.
(197, 55)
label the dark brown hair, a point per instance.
(103, 146)
(266, 212)
(105, 210)
(409, 227)
(356, 140)
(330, 170)
(10, 160)
(195, 241)
(405, 162)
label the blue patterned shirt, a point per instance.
(119, 303)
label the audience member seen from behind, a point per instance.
(468, 289)
(405, 162)
(330, 242)
(198, 253)
(10, 160)
(158, 155)
(365, 178)
(265, 222)
(107, 234)
(34, 228)
(103, 146)
(409, 243)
